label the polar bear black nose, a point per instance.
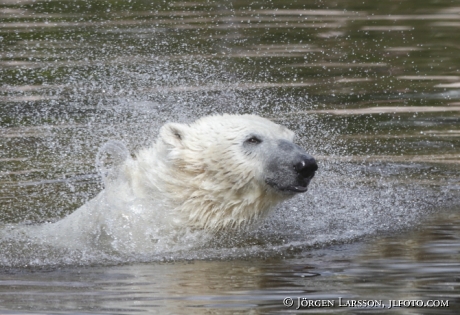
(306, 166)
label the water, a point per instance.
(371, 89)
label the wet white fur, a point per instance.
(195, 176)
(200, 170)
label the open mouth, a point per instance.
(297, 189)
(300, 188)
(303, 187)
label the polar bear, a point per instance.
(219, 172)
(222, 171)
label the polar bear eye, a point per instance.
(254, 140)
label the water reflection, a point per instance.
(180, 288)
(421, 265)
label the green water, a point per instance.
(372, 89)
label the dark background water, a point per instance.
(371, 88)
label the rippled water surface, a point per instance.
(372, 89)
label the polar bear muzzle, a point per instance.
(291, 170)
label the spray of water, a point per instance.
(123, 102)
(346, 202)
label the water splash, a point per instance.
(109, 159)
(64, 97)
(344, 204)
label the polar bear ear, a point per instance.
(173, 134)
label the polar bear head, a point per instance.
(229, 170)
